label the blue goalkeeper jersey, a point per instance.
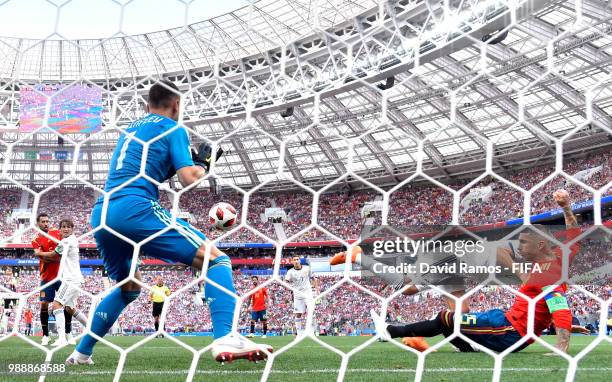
(170, 151)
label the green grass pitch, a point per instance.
(164, 360)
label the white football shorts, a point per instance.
(68, 294)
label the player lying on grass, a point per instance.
(397, 281)
(499, 330)
(133, 210)
(72, 279)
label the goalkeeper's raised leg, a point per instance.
(132, 210)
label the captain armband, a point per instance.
(556, 301)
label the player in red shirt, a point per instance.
(44, 248)
(499, 330)
(28, 321)
(258, 308)
(553, 307)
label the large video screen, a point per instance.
(74, 108)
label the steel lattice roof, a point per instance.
(549, 75)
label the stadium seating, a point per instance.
(338, 212)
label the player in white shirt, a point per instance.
(72, 279)
(299, 278)
(4, 316)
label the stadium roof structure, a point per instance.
(335, 85)
(249, 31)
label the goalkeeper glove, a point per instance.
(203, 156)
(200, 158)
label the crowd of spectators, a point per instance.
(595, 252)
(296, 205)
(57, 202)
(490, 212)
(414, 204)
(9, 200)
(340, 212)
(345, 309)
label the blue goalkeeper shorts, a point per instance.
(491, 329)
(138, 219)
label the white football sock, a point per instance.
(60, 323)
(80, 317)
(299, 325)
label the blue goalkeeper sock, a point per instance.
(221, 304)
(105, 316)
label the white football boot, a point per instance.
(475, 348)
(45, 341)
(231, 347)
(77, 358)
(70, 339)
(61, 341)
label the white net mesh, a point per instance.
(442, 112)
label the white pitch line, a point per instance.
(323, 371)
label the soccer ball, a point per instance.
(222, 216)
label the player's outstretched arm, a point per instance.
(190, 174)
(48, 257)
(563, 339)
(580, 329)
(190, 165)
(202, 159)
(203, 156)
(563, 200)
(42, 255)
(571, 223)
(561, 317)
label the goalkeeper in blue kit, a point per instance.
(133, 211)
